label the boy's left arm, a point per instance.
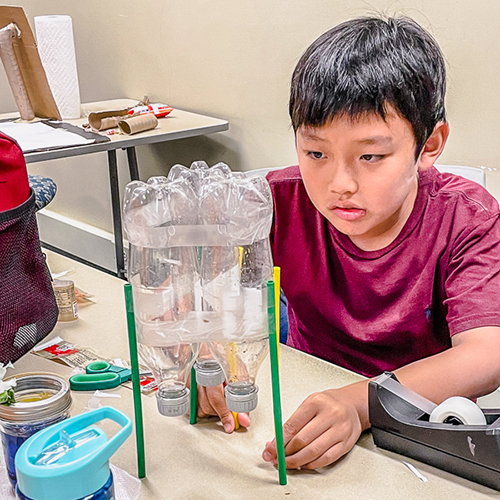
(328, 424)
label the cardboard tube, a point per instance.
(102, 120)
(136, 124)
(13, 72)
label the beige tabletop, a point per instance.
(178, 124)
(200, 461)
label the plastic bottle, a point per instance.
(70, 460)
(165, 280)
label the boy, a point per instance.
(399, 265)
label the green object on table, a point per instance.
(134, 362)
(99, 375)
(193, 408)
(273, 351)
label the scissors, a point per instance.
(99, 375)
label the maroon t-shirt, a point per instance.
(371, 311)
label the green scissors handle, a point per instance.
(98, 367)
(94, 381)
(99, 375)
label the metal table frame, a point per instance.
(178, 125)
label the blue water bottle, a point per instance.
(70, 460)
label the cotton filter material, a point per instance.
(458, 410)
(56, 46)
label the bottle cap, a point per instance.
(70, 459)
(241, 401)
(173, 403)
(209, 373)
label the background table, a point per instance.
(177, 125)
(195, 462)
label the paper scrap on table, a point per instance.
(102, 394)
(56, 276)
(416, 472)
(35, 136)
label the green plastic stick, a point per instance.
(193, 398)
(273, 351)
(132, 340)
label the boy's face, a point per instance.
(361, 175)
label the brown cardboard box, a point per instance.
(32, 72)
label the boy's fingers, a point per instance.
(218, 402)
(244, 419)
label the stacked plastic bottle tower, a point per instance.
(199, 262)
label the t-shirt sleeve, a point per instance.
(472, 283)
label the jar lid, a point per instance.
(38, 396)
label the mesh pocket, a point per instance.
(28, 310)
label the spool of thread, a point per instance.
(136, 124)
(458, 411)
(64, 290)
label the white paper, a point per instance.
(416, 472)
(35, 136)
(54, 36)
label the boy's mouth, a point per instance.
(349, 213)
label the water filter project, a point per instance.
(199, 262)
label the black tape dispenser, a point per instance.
(456, 436)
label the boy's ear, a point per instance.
(434, 146)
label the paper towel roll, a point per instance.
(56, 46)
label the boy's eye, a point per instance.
(317, 155)
(371, 158)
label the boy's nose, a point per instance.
(341, 180)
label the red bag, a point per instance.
(28, 310)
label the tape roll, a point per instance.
(458, 410)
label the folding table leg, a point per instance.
(117, 219)
(132, 164)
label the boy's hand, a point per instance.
(211, 402)
(324, 427)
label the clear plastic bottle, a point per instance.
(234, 280)
(223, 218)
(165, 284)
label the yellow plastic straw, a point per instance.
(236, 421)
(277, 292)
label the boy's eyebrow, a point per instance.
(377, 139)
(310, 135)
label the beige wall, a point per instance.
(233, 60)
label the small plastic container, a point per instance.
(64, 291)
(70, 460)
(42, 399)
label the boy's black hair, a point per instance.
(365, 64)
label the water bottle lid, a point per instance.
(209, 373)
(70, 459)
(242, 402)
(173, 404)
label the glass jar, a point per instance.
(42, 399)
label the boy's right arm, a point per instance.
(327, 424)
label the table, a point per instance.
(177, 125)
(200, 461)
